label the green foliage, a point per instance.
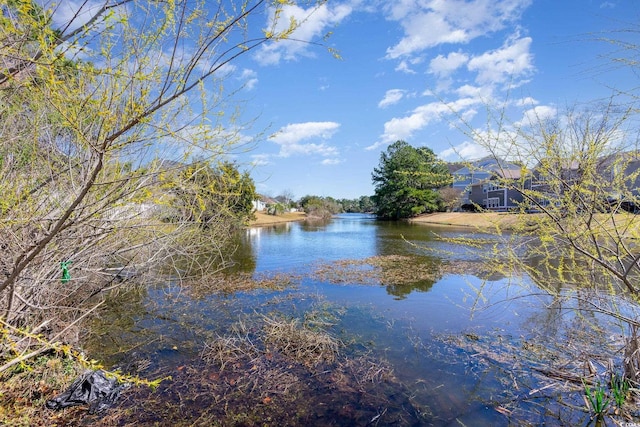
(276, 209)
(366, 204)
(363, 204)
(320, 207)
(406, 181)
(597, 399)
(205, 193)
(619, 389)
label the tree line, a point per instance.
(408, 181)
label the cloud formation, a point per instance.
(511, 61)
(313, 23)
(290, 138)
(392, 96)
(431, 23)
(464, 81)
(443, 66)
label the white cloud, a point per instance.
(322, 149)
(391, 97)
(294, 133)
(249, 77)
(429, 23)
(404, 67)
(403, 128)
(504, 142)
(260, 160)
(484, 93)
(289, 139)
(537, 115)
(512, 60)
(331, 162)
(313, 22)
(69, 15)
(527, 101)
(467, 151)
(443, 66)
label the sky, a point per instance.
(405, 66)
(421, 71)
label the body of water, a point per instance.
(421, 345)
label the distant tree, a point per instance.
(286, 198)
(350, 205)
(366, 204)
(205, 193)
(406, 181)
(276, 209)
(449, 198)
(320, 207)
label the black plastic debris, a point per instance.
(94, 388)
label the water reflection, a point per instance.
(401, 291)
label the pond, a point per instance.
(401, 327)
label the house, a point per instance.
(613, 179)
(258, 205)
(491, 183)
(621, 172)
(261, 203)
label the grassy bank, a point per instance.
(264, 219)
(483, 220)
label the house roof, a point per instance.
(510, 173)
(266, 199)
(491, 165)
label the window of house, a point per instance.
(491, 186)
(492, 202)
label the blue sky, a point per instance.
(411, 70)
(406, 64)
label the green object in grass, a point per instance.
(66, 276)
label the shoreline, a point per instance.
(478, 220)
(262, 219)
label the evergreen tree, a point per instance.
(406, 181)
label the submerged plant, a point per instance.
(597, 399)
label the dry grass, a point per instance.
(262, 218)
(270, 370)
(25, 389)
(381, 269)
(238, 282)
(478, 220)
(224, 350)
(394, 270)
(625, 222)
(296, 341)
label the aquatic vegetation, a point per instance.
(387, 269)
(295, 340)
(228, 349)
(222, 283)
(287, 370)
(619, 389)
(597, 399)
